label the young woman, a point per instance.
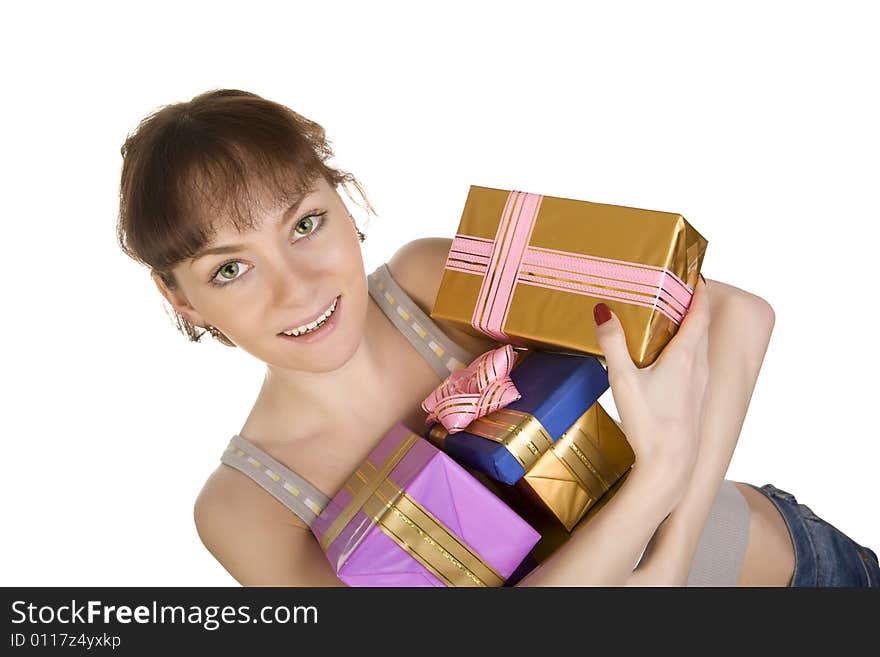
(228, 199)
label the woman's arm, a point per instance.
(660, 407)
(604, 551)
(254, 537)
(738, 338)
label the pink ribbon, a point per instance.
(473, 391)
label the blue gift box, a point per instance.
(556, 390)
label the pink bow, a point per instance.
(473, 391)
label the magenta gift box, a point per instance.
(411, 516)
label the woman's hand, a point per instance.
(661, 405)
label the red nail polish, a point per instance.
(601, 313)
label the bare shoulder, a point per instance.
(258, 540)
(231, 492)
(417, 267)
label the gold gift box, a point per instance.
(580, 467)
(504, 277)
(555, 540)
(571, 481)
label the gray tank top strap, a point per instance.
(444, 355)
(289, 488)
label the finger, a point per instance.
(612, 340)
(699, 305)
(695, 323)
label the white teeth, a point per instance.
(313, 325)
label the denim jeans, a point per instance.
(824, 556)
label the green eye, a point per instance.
(231, 271)
(230, 268)
(307, 222)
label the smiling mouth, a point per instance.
(314, 326)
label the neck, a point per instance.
(293, 405)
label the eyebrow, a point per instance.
(232, 248)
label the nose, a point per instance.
(293, 281)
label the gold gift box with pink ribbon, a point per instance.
(526, 269)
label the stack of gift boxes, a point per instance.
(517, 454)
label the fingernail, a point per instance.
(601, 313)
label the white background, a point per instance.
(755, 120)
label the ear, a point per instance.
(179, 302)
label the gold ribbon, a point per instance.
(366, 490)
(520, 433)
(412, 526)
(583, 459)
(437, 436)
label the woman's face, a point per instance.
(285, 273)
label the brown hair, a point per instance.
(190, 166)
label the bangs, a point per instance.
(224, 159)
(233, 183)
(236, 188)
